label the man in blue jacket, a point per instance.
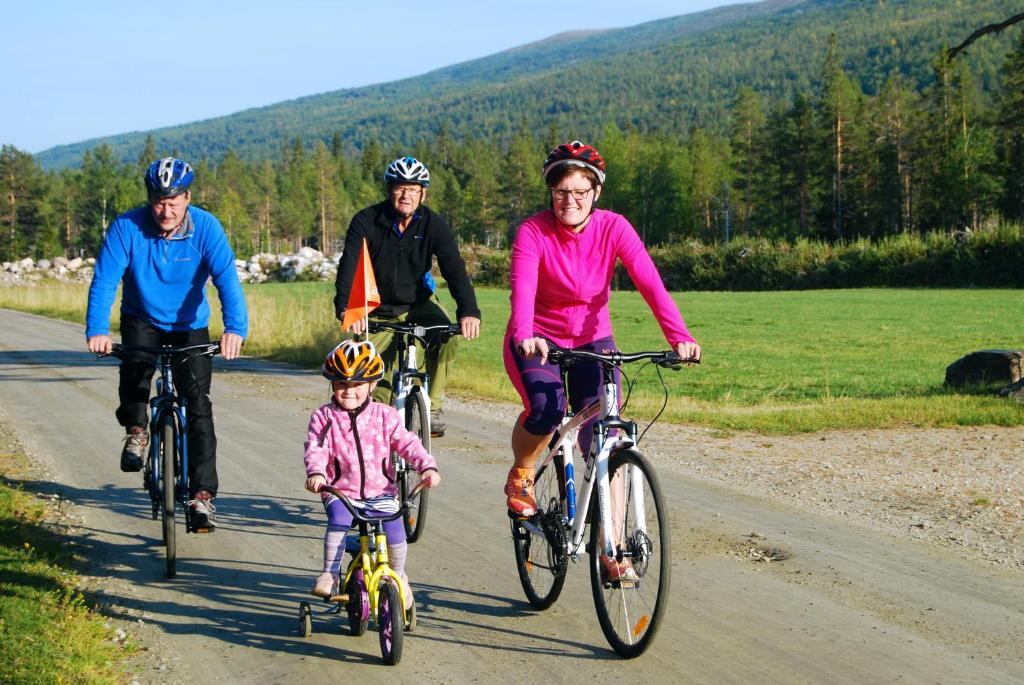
(165, 252)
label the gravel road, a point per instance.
(850, 557)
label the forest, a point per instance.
(832, 161)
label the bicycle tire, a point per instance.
(358, 607)
(305, 619)
(631, 611)
(390, 623)
(417, 420)
(168, 448)
(542, 563)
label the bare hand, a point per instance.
(315, 482)
(100, 344)
(470, 326)
(231, 345)
(358, 327)
(534, 347)
(688, 350)
(432, 478)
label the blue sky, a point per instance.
(75, 69)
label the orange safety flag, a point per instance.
(364, 297)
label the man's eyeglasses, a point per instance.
(563, 193)
(409, 191)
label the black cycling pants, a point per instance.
(191, 380)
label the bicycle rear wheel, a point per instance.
(168, 447)
(631, 608)
(539, 541)
(390, 623)
(417, 420)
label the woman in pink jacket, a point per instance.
(348, 446)
(563, 259)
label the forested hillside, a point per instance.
(890, 142)
(669, 76)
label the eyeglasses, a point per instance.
(562, 194)
(403, 191)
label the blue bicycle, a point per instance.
(165, 473)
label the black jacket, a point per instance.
(399, 263)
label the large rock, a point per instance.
(985, 366)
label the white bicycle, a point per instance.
(621, 500)
(410, 388)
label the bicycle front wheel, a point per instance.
(631, 588)
(390, 623)
(539, 541)
(417, 420)
(167, 450)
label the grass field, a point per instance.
(773, 361)
(47, 632)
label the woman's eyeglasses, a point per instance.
(563, 193)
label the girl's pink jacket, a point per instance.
(561, 280)
(352, 450)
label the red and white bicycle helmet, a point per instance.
(575, 154)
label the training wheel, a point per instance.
(305, 619)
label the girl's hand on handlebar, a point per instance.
(687, 350)
(315, 482)
(534, 347)
(432, 478)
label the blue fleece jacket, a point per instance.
(165, 280)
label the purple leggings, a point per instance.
(540, 387)
(338, 517)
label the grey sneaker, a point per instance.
(437, 424)
(134, 452)
(201, 511)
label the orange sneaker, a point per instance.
(618, 571)
(519, 490)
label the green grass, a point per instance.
(773, 361)
(47, 633)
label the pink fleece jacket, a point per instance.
(561, 280)
(352, 450)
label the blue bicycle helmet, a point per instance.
(407, 170)
(168, 177)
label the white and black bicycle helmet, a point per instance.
(407, 170)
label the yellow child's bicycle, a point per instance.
(372, 589)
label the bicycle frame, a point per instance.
(163, 402)
(577, 503)
(406, 372)
(372, 558)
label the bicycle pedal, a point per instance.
(203, 530)
(340, 599)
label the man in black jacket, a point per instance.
(403, 236)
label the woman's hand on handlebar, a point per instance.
(100, 344)
(687, 351)
(534, 347)
(315, 482)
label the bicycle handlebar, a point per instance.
(564, 356)
(120, 350)
(417, 331)
(357, 515)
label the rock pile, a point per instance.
(305, 265)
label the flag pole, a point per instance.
(366, 298)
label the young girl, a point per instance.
(348, 446)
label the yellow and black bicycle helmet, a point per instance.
(354, 360)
